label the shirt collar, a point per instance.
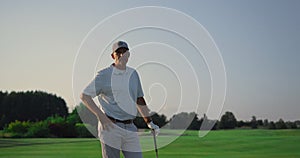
(118, 71)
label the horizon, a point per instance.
(168, 117)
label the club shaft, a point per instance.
(155, 145)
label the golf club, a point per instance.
(155, 145)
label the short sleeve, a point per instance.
(140, 92)
(94, 88)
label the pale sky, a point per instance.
(258, 41)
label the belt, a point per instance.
(121, 121)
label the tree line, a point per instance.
(228, 121)
(30, 106)
(40, 114)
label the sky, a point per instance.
(44, 45)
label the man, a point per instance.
(120, 94)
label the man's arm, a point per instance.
(91, 105)
(145, 112)
(143, 109)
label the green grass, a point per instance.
(231, 143)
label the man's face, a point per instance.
(121, 55)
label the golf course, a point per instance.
(222, 143)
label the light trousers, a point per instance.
(122, 137)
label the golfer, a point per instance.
(120, 95)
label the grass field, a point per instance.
(231, 143)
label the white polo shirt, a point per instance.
(117, 91)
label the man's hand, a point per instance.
(91, 105)
(106, 123)
(154, 127)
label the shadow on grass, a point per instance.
(6, 143)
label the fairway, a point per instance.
(230, 143)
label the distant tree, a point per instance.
(260, 123)
(266, 123)
(2, 107)
(271, 125)
(195, 124)
(30, 106)
(240, 123)
(59, 127)
(297, 123)
(253, 122)
(208, 124)
(159, 120)
(3, 110)
(228, 121)
(280, 124)
(216, 124)
(204, 117)
(74, 118)
(291, 125)
(181, 120)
